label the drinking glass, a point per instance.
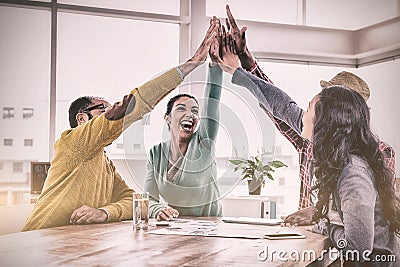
(140, 211)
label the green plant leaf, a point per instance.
(278, 164)
(267, 168)
(236, 161)
(254, 167)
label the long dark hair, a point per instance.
(341, 128)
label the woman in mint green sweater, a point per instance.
(183, 170)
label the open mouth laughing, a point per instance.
(187, 125)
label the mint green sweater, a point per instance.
(194, 191)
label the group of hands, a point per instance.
(87, 215)
(223, 44)
(298, 218)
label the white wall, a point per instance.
(339, 14)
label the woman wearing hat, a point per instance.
(349, 167)
(289, 120)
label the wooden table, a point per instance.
(116, 244)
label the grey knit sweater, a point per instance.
(357, 201)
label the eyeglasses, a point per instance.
(98, 106)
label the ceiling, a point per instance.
(350, 33)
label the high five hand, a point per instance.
(229, 61)
(201, 53)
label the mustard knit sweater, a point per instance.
(81, 174)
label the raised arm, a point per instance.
(273, 99)
(104, 129)
(248, 63)
(87, 140)
(209, 123)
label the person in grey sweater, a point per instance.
(348, 165)
(282, 120)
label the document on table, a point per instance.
(212, 229)
(249, 220)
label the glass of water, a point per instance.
(140, 211)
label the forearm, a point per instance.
(246, 60)
(155, 90)
(150, 186)
(104, 129)
(189, 66)
(121, 210)
(120, 207)
(276, 101)
(212, 94)
(154, 207)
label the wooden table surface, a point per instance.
(116, 244)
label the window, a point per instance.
(17, 167)
(27, 113)
(111, 38)
(136, 146)
(1, 165)
(281, 181)
(8, 142)
(28, 142)
(120, 146)
(170, 7)
(146, 119)
(25, 82)
(8, 113)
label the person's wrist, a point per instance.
(213, 64)
(189, 66)
(231, 69)
(194, 62)
(106, 213)
(246, 59)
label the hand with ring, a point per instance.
(167, 213)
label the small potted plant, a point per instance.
(256, 171)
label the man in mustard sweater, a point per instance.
(83, 185)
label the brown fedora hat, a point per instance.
(351, 81)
